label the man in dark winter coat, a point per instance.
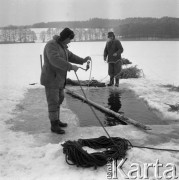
(57, 60)
(112, 54)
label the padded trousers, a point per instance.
(54, 98)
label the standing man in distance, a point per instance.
(112, 52)
(57, 60)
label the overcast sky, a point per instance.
(28, 12)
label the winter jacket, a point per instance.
(113, 46)
(56, 64)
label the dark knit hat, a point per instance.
(66, 33)
(111, 34)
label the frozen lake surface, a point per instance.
(24, 155)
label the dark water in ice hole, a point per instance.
(118, 100)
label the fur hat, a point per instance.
(66, 33)
(111, 34)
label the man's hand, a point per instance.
(115, 54)
(74, 68)
(87, 58)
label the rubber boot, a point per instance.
(117, 82)
(111, 81)
(56, 128)
(61, 124)
(54, 120)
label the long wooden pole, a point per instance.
(108, 111)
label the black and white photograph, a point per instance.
(89, 89)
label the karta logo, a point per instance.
(138, 171)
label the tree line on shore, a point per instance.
(95, 30)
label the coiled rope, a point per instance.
(115, 148)
(76, 155)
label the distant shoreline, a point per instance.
(121, 39)
(133, 39)
(146, 39)
(16, 42)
